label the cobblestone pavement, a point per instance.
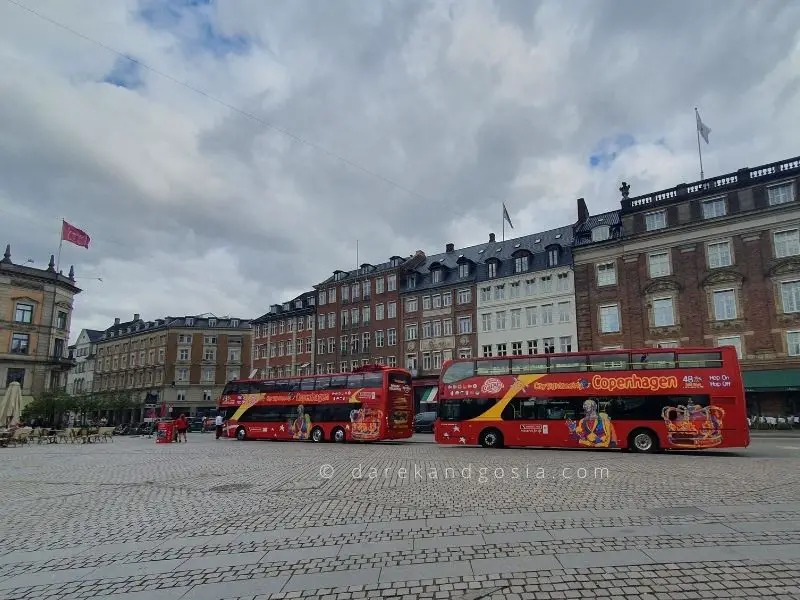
(213, 520)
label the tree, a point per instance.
(50, 407)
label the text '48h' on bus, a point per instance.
(370, 404)
(642, 400)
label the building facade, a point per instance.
(284, 339)
(84, 352)
(359, 317)
(526, 296)
(715, 262)
(35, 315)
(182, 363)
(438, 316)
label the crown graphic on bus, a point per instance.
(693, 426)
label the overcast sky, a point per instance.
(401, 123)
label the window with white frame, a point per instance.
(500, 292)
(790, 296)
(183, 354)
(609, 318)
(486, 294)
(379, 312)
(322, 297)
(533, 346)
(411, 362)
(655, 220)
(486, 322)
(447, 327)
(501, 320)
(331, 345)
(601, 233)
(379, 338)
(787, 243)
(436, 301)
(465, 353)
(320, 346)
(426, 303)
(564, 312)
(492, 266)
(606, 274)
(463, 270)
(531, 315)
(436, 276)
(486, 350)
(724, 305)
(562, 282)
(427, 329)
(354, 316)
(426, 361)
(391, 283)
(391, 337)
(565, 343)
(501, 350)
(667, 344)
(514, 290)
(379, 285)
(547, 284)
(793, 343)
(321, 321)
(23, 312)
(391, 310)
(732, 340)
(663, 312)
(411, 305)
(516, 318)
(447, 299)
(521, 264)
(331, 320)
(437, 329)
(465, 296)
(719, 255)
(781, 193)
(530, 287)
(658, 264)
(552, 257)
(547, 314)
(464, 325)
(411, 331)
(714, 208)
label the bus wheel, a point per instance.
(643, 440)
(338, 435)
(317, 435)
(491, 438)
(241, 434)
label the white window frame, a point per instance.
(653, 224)
(790, 345)
(715, 203)
(601, 322)
(654, 313)
(719, 243)
(792, 245)
(651, 272)
(721, 341)
(793, 296)
(606, 268)
(735, 304)
(781, 185)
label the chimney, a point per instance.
(491, 237)
(116, 321)
(135, 316)
(450, 248)
(583, 212)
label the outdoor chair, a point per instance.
(106, 433)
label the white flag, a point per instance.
(702, 128)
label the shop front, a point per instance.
(774, 393)
(424, 389)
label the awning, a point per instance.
(778, 380)
(429, 395)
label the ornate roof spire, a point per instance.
(7, 256)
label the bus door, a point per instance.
(537, 421)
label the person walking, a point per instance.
(218, 426)
(182, 425)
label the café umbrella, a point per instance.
(10, 406)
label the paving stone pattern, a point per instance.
(222, 520)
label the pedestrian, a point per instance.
(218, 426)
(182, 426)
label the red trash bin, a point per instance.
(165, 433)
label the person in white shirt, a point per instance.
(218, 424)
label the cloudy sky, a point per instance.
(238, 161)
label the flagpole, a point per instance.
(503, 220)
(60, 244)
(699, 150)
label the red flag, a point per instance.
(70, 233)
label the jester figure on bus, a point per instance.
(300, 426)
(594, 429)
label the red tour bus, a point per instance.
(369, 404)
(642, 400)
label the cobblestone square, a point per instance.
(223, 519)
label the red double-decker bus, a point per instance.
(371, 403)
(642, 400)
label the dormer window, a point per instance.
(601, 233)
(234, 322)
(411, 281)
(212, 322)
(552, 257)
(285, 306)
(436, 275)
(463, 270)
(521, 264)
(189, 321)
(492, 269)
(298, 304)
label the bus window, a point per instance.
(567, 364)
(355, 381)
(521, 366)
(280, 385)
(520, 409)
(556, 409)
(307, 384)
(496, 366)
(231, 388)
(692, 360)
(293, 385)
(264, 387)
(464, 408)
(339, 382)
(608, 362)
(322, 383)
(653, 360)
(373, 380)
(459, 371)
(245, 387)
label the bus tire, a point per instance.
(241, 434)
(317, 435)
(643, 440)
(338, 435)
(491, 438)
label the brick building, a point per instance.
(35, 316)
(183, 362)
(715, 262)
(358, 316)
(284, 339)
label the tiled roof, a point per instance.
(583, 230)
(201, 322)
(371, 269)
(308, 300)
